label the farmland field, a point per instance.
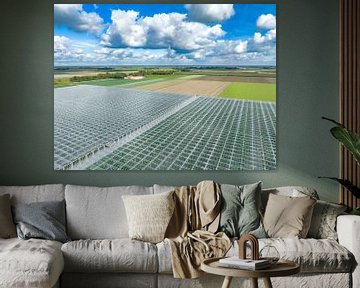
(188, 87)
(251, 91)
(63, 80)
(238, 79)
(109, 82)
(253, 83)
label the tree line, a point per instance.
(100, 76)
(120, 75)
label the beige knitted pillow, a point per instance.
(149, 215)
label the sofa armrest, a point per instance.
(348, 230)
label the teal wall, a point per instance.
(307, 89)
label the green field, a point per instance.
(110, 82)
(63, 82)
(130, 82)
(251, 91)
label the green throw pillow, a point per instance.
(240, 213)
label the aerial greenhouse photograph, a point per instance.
(165, 87)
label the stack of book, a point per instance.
(248, 264)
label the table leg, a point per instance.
(227, 282)
(267, 283)
(254, 282)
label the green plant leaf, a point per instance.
(348, 138)
(347, 184)
(333, 121)
(355, 211)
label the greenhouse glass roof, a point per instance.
(104, 128)
(86, 118)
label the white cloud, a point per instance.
(134, 55)
(269, 36)
(221, 52)
(172, 30)
(61, 44)
(258, 38)
(261, 48)
(201, 35)
(125, 30)
(65, 50)
(241, 47)
(171, 53)
(220, 49)
(110, 53)
(74, 17)
(172, 39)
(208, 13)
(266, 21)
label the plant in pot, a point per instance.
(351, 141)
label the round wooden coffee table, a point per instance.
(281, 268)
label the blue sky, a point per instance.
(166, 34)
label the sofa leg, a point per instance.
(254, 282)
(267, 283)
(227, 282)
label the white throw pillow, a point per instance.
(149, 215)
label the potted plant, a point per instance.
(351, 141)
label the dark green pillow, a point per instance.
(43, 220)
(240, 213)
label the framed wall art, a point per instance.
(165, 87)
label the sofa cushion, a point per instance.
(36, 193)
(98, 213)
(30, 263)
(313, 255)
(164, 257)
(162, 188)
(7, 226)
(117, 255)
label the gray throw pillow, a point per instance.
(44, 220)
(7, 227)
(323, 222)
(240, 213)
